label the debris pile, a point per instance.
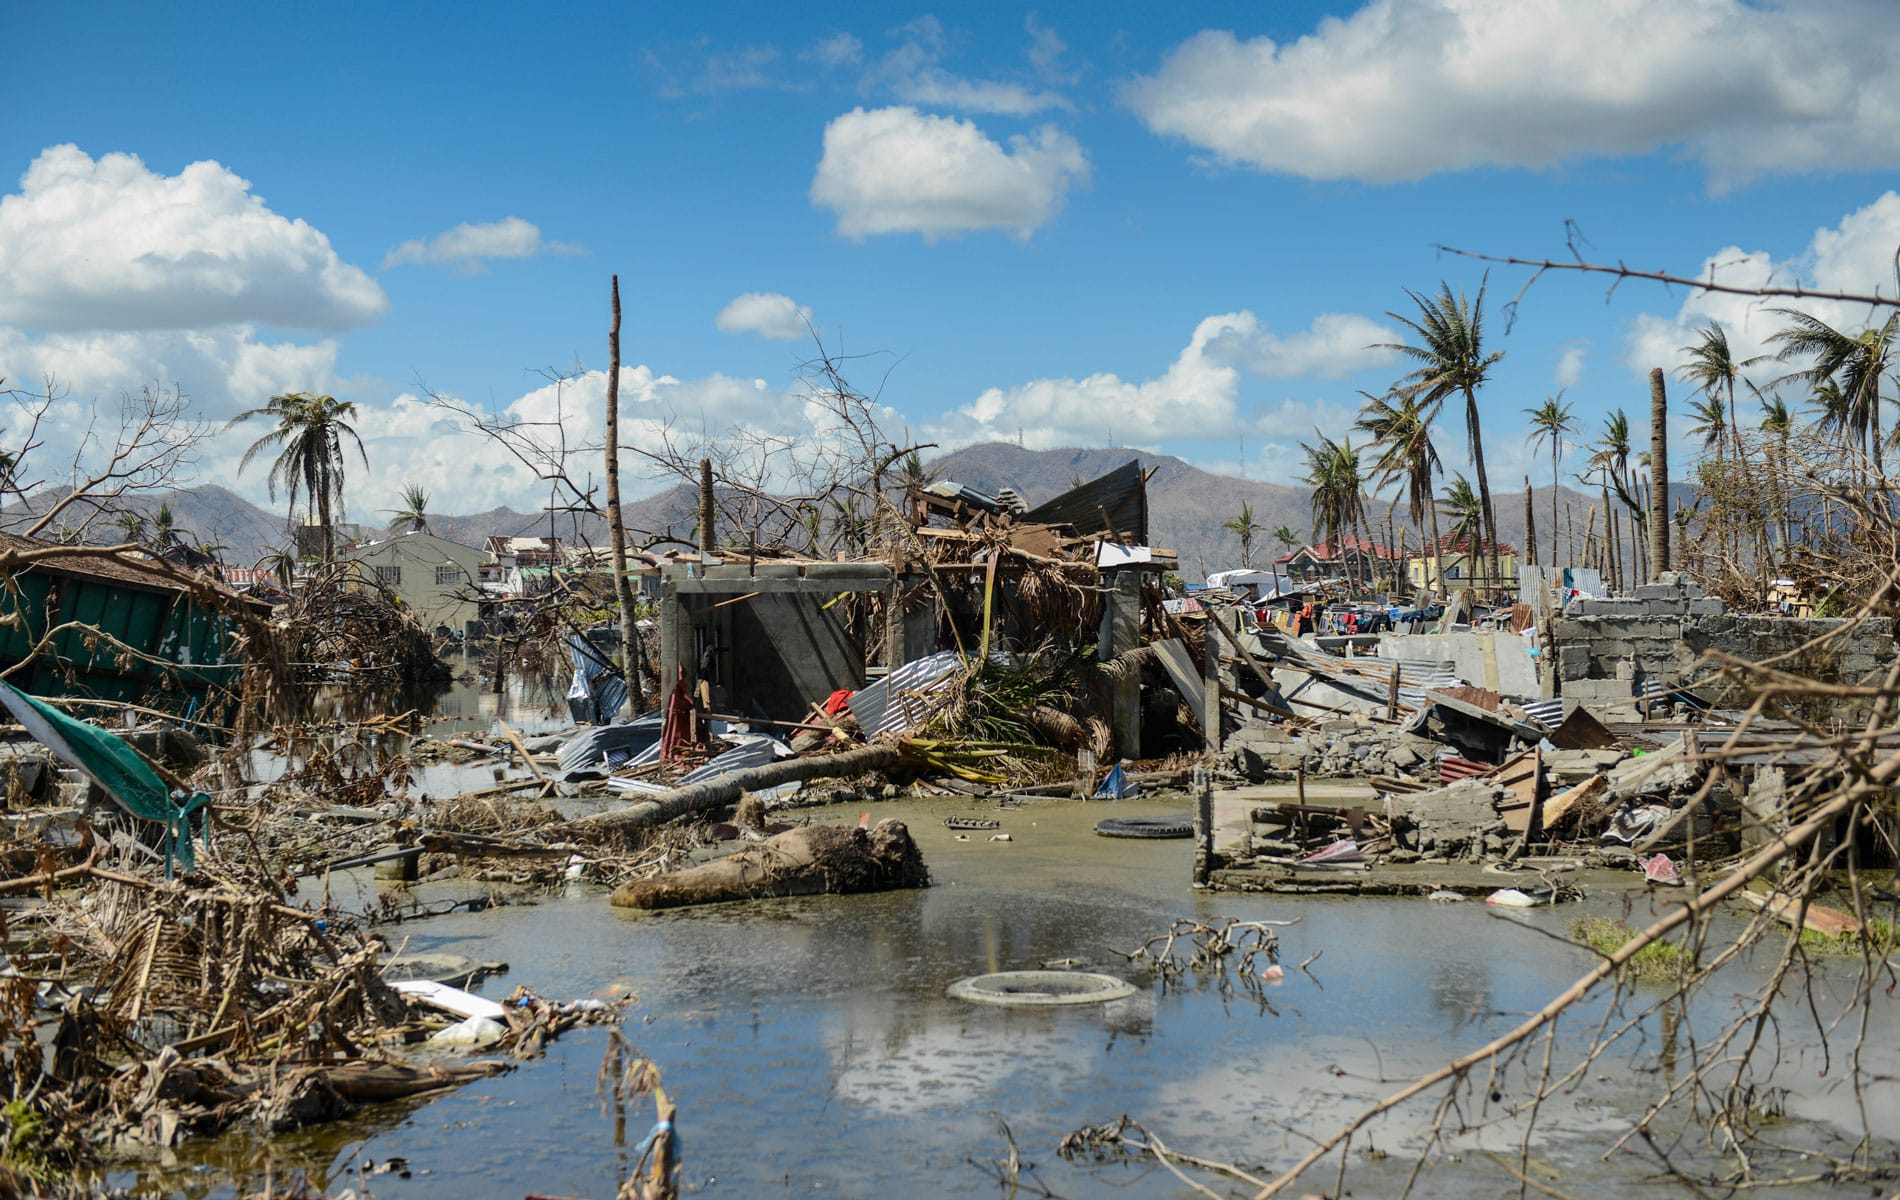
(180, 1009)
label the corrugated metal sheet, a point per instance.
(902, 699)
(1122, 494)
(1545, 712)
(755, 750)
(1451, 768)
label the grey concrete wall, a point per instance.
(1606, 649)
(777, 642)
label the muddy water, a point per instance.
(812, 1051)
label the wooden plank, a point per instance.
(1523, 774)
(1179, 665)
(1820, 918)
(1560, 806)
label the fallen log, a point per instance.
(725, 790)
(809, 861)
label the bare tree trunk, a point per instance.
(707, 542)
(1484, 482)
(1612, 545)
(1658, 475)
(1570, 524)
(1438, 558)
(616, 520)
(1530, 525)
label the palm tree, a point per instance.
(1288, 537)
(1711, 424)
(1550, 421)
(133, 525)
(1244, 528)
(1714, 371)
(164, 528)
(1332, 471)
(414, 512)
(1465, 509)
(1402, 427)
(1777, 420)
(309, 444)
(1610, 462)
(1451, 361)
(1854, 364)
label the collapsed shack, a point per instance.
(109, 627)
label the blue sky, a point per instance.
(1173, 227)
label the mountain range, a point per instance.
(1188, 508)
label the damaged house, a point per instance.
(88, 624)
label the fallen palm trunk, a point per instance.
(816, 859)
(726, 790)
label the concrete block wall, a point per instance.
(1607, 648)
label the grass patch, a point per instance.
(1879, 937)
(1660, 960)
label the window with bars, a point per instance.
(448, 575)
(391, 576)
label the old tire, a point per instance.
(1145, 827)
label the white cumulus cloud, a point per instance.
(1197, 397)
(1402, 89)
(109, 244)
(1336, 344)
(767, 314)
(223, 370)
(896, 170)
(467, 246)
(1854, 256)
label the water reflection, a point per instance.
(811, 1046)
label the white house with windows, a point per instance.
(436, 579)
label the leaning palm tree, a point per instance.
(1402, 428)
(1244, 527)
(1451, 361)
(414, 512)
(1609, 464)
(309, 444)
(1550, 422)
(1854, 363)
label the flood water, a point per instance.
(812, 1051)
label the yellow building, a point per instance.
(1463, 569)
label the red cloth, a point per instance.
(676, 722)
(836, 702)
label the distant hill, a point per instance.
(1187, 507)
